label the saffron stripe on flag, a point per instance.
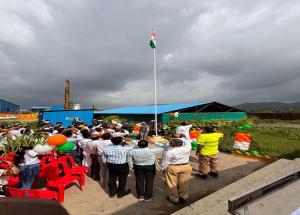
(153, 40)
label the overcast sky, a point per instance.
(231, 51)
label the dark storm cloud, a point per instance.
(231, 51)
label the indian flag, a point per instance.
(153, 40)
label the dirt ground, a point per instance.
(93, 200)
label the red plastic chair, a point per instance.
(8, 157)
(73, 168)
(47, 159)
(23, 193)
(13, 181)
(57, 178)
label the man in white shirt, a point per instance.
(15, 131)
(120, 133)
(184, 129)
(110, 129)
(177, 169)
(100, 146)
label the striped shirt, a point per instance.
(142, 156)
(115, 154)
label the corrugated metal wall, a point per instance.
(67, 117)
(8, 107)
(232, 116)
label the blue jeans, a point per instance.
(28, 174)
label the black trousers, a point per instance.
(95, 167)
(120, 172)
(144, 176)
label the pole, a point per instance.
(155, 95)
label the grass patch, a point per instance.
(275, 143)
(277, 146)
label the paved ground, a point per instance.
(280, 202)
(93, 200)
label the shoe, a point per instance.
(102, 184)
(141, 198)
(214, 174)
(204, 177)
(174, 202)
(124, 194)
(147, 199)
(112, 195)
(182, 201)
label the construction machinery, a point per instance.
(68, 105)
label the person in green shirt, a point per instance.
(208, 149)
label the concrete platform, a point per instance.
(217, 202)
(281, 201)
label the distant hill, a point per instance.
(269, 107)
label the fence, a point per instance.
(21, 117)
(282, 116)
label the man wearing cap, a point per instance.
(177, 169)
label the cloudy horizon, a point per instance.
(227, 51)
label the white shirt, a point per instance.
(15, 133)
(177, 155)
(101, 145)
(87, 147)
(109, 130)
(30, 158)
(184, 129)
(86, 144)
(120, 134)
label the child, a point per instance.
(29, 165)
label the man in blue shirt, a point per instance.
(142, 159)
(116, 158)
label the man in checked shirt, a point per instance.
(142, 159)
(116, 158)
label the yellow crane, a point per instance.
(68, 104)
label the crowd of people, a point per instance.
(110, 151)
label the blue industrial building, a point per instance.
(66, 117)
(8, 107)
(166, 112)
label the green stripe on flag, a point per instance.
(153, 44)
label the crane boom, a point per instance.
(67, 96)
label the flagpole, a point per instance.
(155, 92)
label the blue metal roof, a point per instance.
(149, 109)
